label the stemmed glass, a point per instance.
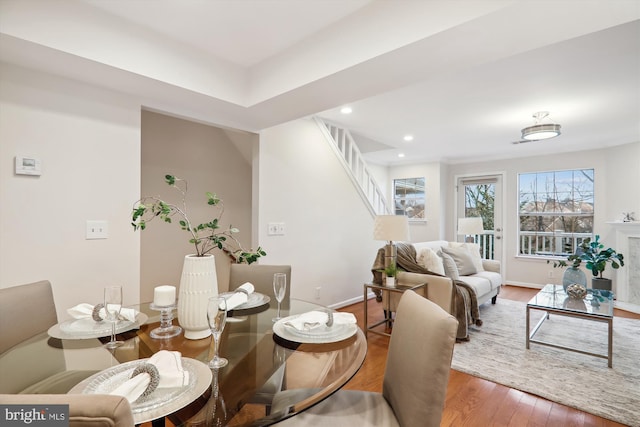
(279, 289)
(217, 317)
(112, 306)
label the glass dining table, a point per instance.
(268, 378)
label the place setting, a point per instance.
(312, 327)
(244, 301)
(154, 387)
(105, 319)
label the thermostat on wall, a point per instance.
(28, 165)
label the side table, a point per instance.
(379, 288)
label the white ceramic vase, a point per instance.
(390, 282)
(197, 284)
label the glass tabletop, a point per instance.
(596, 303)
(262, 368)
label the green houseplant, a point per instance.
(390, 272)
(198, 281)
(596, 258)
(205, 236)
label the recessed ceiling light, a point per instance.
(346, 110)
(401, 155)
(408, 138)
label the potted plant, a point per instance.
(206, 236)
(198, 281)
(596, 258)
(390, 273)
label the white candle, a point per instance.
(164, 295)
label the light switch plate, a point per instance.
(97, 229)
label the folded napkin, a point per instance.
(314, 319)
(169, 368)
(240, 295)
(84, 310)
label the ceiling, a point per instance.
(463, 77)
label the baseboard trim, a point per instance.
(351, 301)
(525, 285)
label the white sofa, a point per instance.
(486, 283)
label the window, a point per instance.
(408, 198)
(555, 211)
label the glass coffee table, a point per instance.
(553, 299)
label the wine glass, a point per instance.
(217, 317)
(279, 289)
(112, 306)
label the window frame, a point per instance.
(412, 201)
(573, 210)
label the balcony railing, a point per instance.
(550, 243)
(486, 241)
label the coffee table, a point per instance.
(553, 299)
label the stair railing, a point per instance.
(344, 146)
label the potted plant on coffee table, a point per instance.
(596, 258)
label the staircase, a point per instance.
(349, 155)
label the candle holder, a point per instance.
(166, 329)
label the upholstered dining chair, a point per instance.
(415, 379)
(85, 410)
(25, 311)
(261, 276)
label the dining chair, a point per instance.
(415, 379)
(25, 311)
(36, 367)
(85, 410)
(261, 277)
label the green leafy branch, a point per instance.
(206, 236)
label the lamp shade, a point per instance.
(391, 227)
(470, 226)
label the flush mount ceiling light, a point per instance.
(346, 110)
(541, 130)
(408, 138)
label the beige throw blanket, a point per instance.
(465, 302)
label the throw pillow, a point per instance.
(463, 260)
(474, 250)
(450, 268)
(431, 261)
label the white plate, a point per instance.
(255, 300)
(163, 401)
(319, 335)
(80, 329)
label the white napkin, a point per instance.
(84, 310)
(314, 319)
(169, 364)
(239, 297)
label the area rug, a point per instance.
(496, 352)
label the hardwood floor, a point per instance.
(472, 401)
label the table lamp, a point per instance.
(391, 228)
(470, 227)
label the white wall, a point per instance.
(89, 142)
(329, 232)
(617, 174)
